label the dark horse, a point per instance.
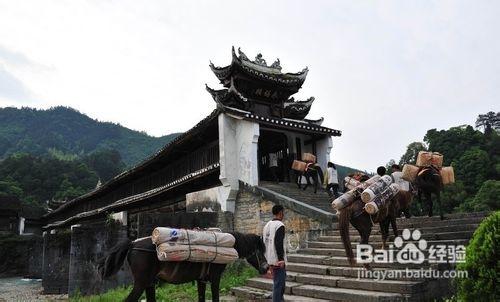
(363, 222)
(146, 268)
(428, 181)
(312, 172)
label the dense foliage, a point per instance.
(235, 275)
(66, 133)
(475, 157)
(37, 179)
(482, 263)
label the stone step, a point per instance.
(395, 286)
(345, 293)
(350, 272)
(267, 284)
(378, 244)
(246, 293)
(426, 236)
(342, 261)
(424, 230)
(420, 223)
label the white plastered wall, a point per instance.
(238, 141)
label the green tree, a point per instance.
(453, 196)
(472, 168)
(488, 121)
(486, 199)
(481, 263)
(410, 156)
(10, 187)
(452, 143)
(107, 163)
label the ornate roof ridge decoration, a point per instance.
(258, 68)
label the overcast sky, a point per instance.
(383, 72)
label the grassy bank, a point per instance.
(235, 275)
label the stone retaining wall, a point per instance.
(89, 242)
(253, 211)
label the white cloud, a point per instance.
(382, 72)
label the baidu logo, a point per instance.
(410, 253)
(410, 248)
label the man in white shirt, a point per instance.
(274, 239)
(332, 180)
(273, 166)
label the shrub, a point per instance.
(482, 263)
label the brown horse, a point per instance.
(146, 268)
(314, 173)
(428, 182)
(363, 222)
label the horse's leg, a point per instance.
(135, 294)
(201, 290)
(420, 203)
(394, 225)
(298, 178)
(365, 236)
(428, 197)
(384, 230)
(214, 286)
(308, 181)
(440, 205)
(316, 181)
(150, 294)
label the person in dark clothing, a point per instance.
(274, 239)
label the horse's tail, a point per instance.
(344, 218)
(111, 263)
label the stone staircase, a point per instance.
(321, 272)
(319, 200)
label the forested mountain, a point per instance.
(66, 133)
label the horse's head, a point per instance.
(252, 248)
(256, 258)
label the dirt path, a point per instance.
(18, 289)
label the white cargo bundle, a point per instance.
(193, 237)
(171, 251)
(173, 244)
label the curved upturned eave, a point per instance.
(261, 72)
(223, 95)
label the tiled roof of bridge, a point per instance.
(148, 161)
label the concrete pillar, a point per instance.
(323, 149)
(238, 144)
(21, 225)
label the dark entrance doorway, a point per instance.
(271, 142)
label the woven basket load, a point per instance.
(447, 175)
(343, 200)
(350, 183)
(308, 157)
(426, 159)
(183, 236)
(172, 251)
(410, 172)
(381, 199)
(298, 165)
(376, 188)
